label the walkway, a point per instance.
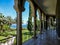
(47, 38)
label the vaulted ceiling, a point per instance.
(48, 6)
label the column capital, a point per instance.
(19, 5)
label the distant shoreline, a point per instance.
(13, 26)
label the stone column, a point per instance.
(19, 28)
(19, 8)
(51, 23)
(33, 13)
(58, 18)
(43, 21)
(46, 22)
(35, 24)
(54, 20)
(40, 17)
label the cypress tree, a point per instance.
(29, 26)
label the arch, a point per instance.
(19, 20)
(40, 18)
(32, 8)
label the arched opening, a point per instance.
(39, 15)
(27, 26)
(38, 21)
(29, 22)
(25, 16)
(23, 33)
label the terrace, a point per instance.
(48, 13)
(49, 26)
(49, 37)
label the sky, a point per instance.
(6, 7)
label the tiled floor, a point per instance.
(49, 37)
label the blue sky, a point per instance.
(25, 14)
(6, 7)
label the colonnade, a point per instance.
(44, 19)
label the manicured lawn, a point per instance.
(2, 37)
(8, 33)
(26, 35)
(11, 32)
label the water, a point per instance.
(14, 26)
(24, 25)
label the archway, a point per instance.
(19, 10)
